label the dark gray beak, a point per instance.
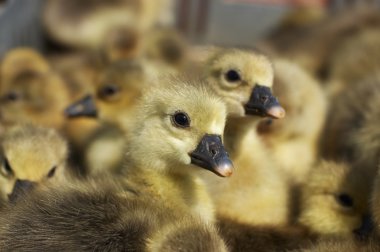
(211, 155)
(366, 228)
(83, 108)
(263, 103)
(20, 188)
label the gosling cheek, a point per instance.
(6, 188)
(235, 109)
(186, 159)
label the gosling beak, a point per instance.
(263, 103)
(82, 108)
(211, 155)
(20, 188)
(366, 227)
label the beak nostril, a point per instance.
(211, 155)
(79, 108)
(264, 98)
(213, 152)
(84, 107)
(213, 149)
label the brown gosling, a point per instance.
(324, 38)
(340, 244)
(353, 61)
(375, 203)
(99, 215)
(264, 238)
(350, 124)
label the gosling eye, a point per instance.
(6, 169)
(11, 96)
(232, 76)
(52, 172)
(180, 119)
(345, 200)
(109, 90)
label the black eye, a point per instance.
(345, 200)
(181, 119)
(232, 76)
(52, 172)
(6, 168)
(109, 90)
(12, 96)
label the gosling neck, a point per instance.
(235, 130)
(139, 160)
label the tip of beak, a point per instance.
(224, 169)
(276, 112)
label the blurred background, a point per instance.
(221, 22)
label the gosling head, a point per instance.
(244, 80)
(20, 60)
(90, 21)
(334, 200)
(33, 95)
(117, 91)
(30, 155)
(180, 122)
(166, 46)
(302, 98)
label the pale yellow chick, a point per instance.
(334, 199)
(258, 191)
